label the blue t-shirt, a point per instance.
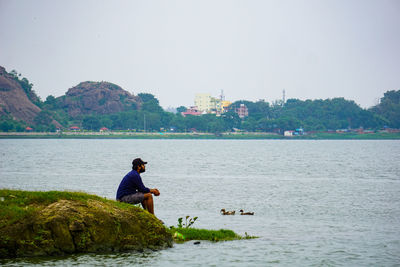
(131, 184)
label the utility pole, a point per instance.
(283, 97)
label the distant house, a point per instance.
(225, 105)
(296, 132)
(288, 133)
(191, 111)
(28, 129)
(74, 128)
(104, 129)
(242, 111)
(390, 130)
(299, 131)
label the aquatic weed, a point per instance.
(187, 223)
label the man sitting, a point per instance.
(132, 190)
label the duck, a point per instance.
(224, 212)
(246, 213)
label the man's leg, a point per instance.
(148, 203)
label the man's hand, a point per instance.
(155, 192)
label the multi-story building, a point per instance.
(216, 106)
(207, 104)
(203, 102)
(242, 111)
(225, 105)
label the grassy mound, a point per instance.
(56, 223)
(187, 234)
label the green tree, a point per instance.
(91, 123)
(31, 94)
(6, 126)
(195, 122)
(150, 103)
(43, 119)
(153, 122)
(106, 122)
(231, 120)
(148, 97)
(266, 125)
(152, 107)
(216, 126)
(181, 109)
(166, 119)
(19, 127)
(287, 123)
(117, 123)
(178, 122)
(249, 124)
(389, 108)
(50, 100)
(50, 103)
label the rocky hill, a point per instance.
(97, 98)
(20, 103)
(14, 101)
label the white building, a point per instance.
(207, 104)
(288, 133)
(203, 102)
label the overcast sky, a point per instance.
(174, 49)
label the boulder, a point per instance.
(73, 226)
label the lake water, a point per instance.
(319, 203)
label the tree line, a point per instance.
(311, 115)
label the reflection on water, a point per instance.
(315, 202)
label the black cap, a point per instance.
(138, 161)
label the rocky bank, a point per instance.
(74, 224)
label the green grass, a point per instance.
(17, 204)
(42, 223)
(187, 234)
(23, 198)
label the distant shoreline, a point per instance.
(222, 136)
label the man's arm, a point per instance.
(155, 191)
(139, 184)
(143, 188)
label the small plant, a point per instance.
(188, 222)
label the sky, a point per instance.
(174, 49)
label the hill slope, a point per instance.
(97, 98)
(13, 100)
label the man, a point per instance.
(132, 190)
